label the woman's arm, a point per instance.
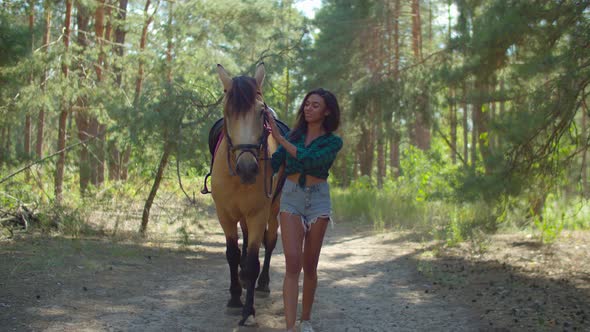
(324, 153)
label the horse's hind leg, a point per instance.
(232, 254)
(270, 242)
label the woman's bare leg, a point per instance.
(292, 233)
(311, 256)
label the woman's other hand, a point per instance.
(275, 131)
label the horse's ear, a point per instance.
(259, 76)
(224, 77)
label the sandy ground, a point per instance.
(367, 282)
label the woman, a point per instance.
(308, 154)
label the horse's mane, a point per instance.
(242, 95)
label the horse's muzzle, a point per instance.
(247, 167)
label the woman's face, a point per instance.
(315, 109)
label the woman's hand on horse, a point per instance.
(275, 131)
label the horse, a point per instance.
(243, 189)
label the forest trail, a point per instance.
(366, 283)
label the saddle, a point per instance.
(215, 136)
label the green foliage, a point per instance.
(548, 230)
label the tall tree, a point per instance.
(82, 114)
(421, 131)
(395, 136)
(28, 121)
(65, 108)
(118, 159)
(46, 39)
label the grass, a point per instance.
(452, 222)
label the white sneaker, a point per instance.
(306, 326)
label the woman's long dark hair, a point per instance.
(331, 121)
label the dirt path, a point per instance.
(365, 284)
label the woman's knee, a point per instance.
(293, 264)
(310, 271)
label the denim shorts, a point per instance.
(309, 202)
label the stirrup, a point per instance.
(206, 190)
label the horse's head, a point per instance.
(243, 112)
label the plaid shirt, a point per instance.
(314, 159)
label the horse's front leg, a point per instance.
(232, 254)
(255, 234)
(270, 242)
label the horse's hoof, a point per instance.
(248, 321)
(235, 303)
(263, 290)
(233, 311)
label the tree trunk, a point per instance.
(492, 139)
(474, 135)
(501, 110)
(481, 120)
(366, 150)
(85, 170)
(481, 124)
(27, 140)
(2, 139)
(157, 180)
(99, 160)
(28, 122)
(421, 132)
(120, 34)
(394, 145)
(465, 124)
(125, 163)
(585, 140)
(41, 117)
(5, 144)
(61, 140)
(396, 39)
(380, 154)
(142, 43)
(114, 162)
(116, 167)
(83, 120)
(416, 31)
(452, 99)
(453, 124)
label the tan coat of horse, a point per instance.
(241, 183)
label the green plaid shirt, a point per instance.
(314, 159)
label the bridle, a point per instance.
(261, 147)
